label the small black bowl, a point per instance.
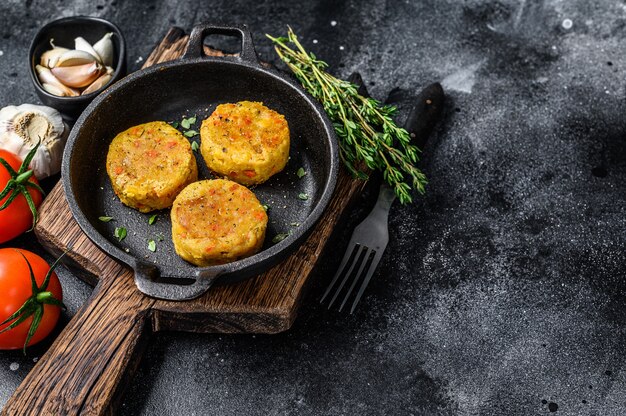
(64, 31)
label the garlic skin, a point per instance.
(50, 58)
(78, 76)
(104, 49)
(54, 90)
(97, 84)
(46, 77)
(75, 57)
(80, 44)
(22, 127)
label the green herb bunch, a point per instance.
(365, 127)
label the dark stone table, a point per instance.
(502, 291)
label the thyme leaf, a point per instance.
(120, 233)
(187, 122)
(279, 237)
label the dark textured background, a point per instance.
(502, 291)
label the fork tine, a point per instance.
(344, 261)
(345, 277)
(370, 272)
(368, 253)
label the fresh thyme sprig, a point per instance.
(365, 127)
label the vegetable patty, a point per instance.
(246, 142)
(217, 221)
(149, 165)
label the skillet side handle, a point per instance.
(199, 32)
(158, 284)
(88, 365)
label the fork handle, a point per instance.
(386, 196)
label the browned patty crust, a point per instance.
(149, 165)
(217, 221)
(245, 142)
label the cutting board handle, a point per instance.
(84, 369)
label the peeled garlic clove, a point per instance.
(22, 127)
(50, 58)
(46, 77)
(54, 90)
(81, 44)
(97, 84)
(78, 76)
(104, 48)
(74, 57)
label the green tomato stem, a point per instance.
(42, 297)
(24, 177)
(19, 184)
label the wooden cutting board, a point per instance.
(84, 370)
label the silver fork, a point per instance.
(368, 241)
(371, 236)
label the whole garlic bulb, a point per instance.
(22, 127)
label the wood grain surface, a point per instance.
(84, 369)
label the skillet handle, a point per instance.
(199, 32)
(159, 284)
(88, 366)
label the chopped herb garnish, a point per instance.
(303, 196)
(265, 207)
(152, 219)
(194, 146)
(187, 122)
(160, 237)
(279, 237)
(105, 219)
(174, 124)
(295, 224)
(301, 172)
(191, 133)
(120, 233)
(151, 245)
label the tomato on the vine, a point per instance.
(31, 299)
(20, 195)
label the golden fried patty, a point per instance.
(246, 142)
(217, 221)
(149, 165)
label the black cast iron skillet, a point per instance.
(195, 85)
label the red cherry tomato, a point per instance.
(16, 289)
(17, 217)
